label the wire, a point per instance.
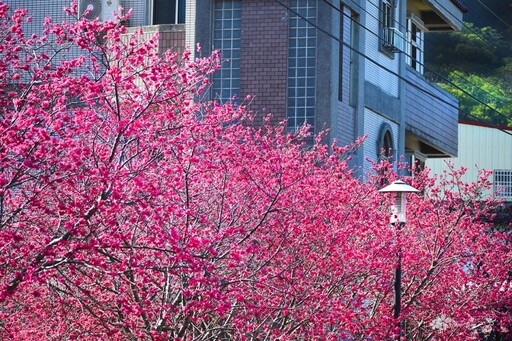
(425, 67)
(493, 13)
(443, 7)
(375, 62)
(445, 78)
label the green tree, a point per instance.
(478, 66)
(489, 90)
(473, 50)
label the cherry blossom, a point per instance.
(131, 207)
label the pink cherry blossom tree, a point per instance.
(132, 208)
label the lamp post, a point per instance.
(398, 219)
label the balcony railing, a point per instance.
(393, 39)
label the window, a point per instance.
(349, 32)
(340, 55)
(416, 161)
(226, 38)
(385, 150)
(391, 37)
(354, 58)
(502, 183)
(168, 12)
(301, 65)
(385, 145)
(414, 52)
(387, 14)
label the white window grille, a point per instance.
(301, 65)
(226, 38)
(502, 183)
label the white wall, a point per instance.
(479, 148)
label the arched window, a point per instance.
(385, 150)
(385, 147)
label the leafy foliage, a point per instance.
(130, 209)
(476, 60)
(472, 50)
(489, 98)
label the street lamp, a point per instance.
(398, 219)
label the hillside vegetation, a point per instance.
(475, 65)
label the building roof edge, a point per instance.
(460, 5)
(483, 124)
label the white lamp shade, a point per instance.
(398, 209)
(398, 187)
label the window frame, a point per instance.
(385, 143)
(415, 43)
(385, 150)
(301, 76)
(178, 17)
(354, 58)
(386, 23)
(502, 183)
(387, 13)
(226, 37)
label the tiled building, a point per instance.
(354, 67)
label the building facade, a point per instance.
(353, 67)
(482, 147)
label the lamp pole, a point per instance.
(398, 219)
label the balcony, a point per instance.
(438, 15)
(171, 36)
(431, 117)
